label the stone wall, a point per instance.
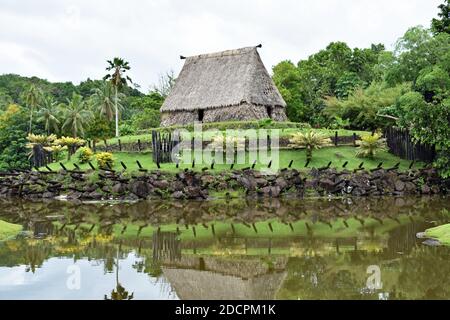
(188, 184)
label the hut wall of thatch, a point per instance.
(242, 112)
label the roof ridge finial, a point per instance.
(259, 46)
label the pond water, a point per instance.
(364, 248)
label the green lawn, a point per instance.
(8, 229)
(338, 156)
(210, 134)
(441, 233)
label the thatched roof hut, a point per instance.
(223, 86)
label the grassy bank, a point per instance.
(8, 230)
(338, 156)
(207, 135)
(441, 233)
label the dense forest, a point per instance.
(337, 87)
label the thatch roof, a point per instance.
(223, 79)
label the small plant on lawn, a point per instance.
(309, 140)
(84, 154)
(370, 145)
(103, 158)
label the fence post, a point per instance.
(336, 138)
(94, 146)
(120, 145)
(354, 139)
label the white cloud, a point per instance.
(70, 40)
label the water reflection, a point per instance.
(296, 249)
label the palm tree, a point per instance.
(47, 114)
(118, 67)
(32, 99)
(76, 115)
(119, 293)
(310, 140)
(103, 100)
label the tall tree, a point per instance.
(103, 100)
(442, 24)
(48, 114)
(118, 68)
(76, 115)
(32, 98)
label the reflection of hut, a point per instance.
(226, 279)
(223, 86)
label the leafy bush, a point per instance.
(84, 154)
(369, 145)
(127, 129)
(104, 158)
(238, 125)
(310, 140)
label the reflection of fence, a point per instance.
(162, 145)
(400, 143)
(166, 245)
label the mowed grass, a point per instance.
(280, 159)
(209, 134)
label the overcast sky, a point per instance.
(70, 40)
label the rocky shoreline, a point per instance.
(187, 184)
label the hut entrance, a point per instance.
(269, 110)
(200, 115)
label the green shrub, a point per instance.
(235, 125)
(84, 154)
(369, 145)
(127, 129)
(104, 158)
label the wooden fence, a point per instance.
(162, 145)
(400, 143)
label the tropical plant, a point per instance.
(370, 144)
(71, 143)
(311, 140)
(104, 158)
(45, 140)
(56, 151)
(103, 100)
(76, 115)
(48, 114)
(118, 79)
(32, 98)
(84, 154)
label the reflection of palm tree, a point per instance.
(119, 293)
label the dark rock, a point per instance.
(399, 185)
(178, 195)
(118, 188)
(326, 184)
(161, 184)
(95, 195)
(425, 189)
(48, 195)
(140, 188)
